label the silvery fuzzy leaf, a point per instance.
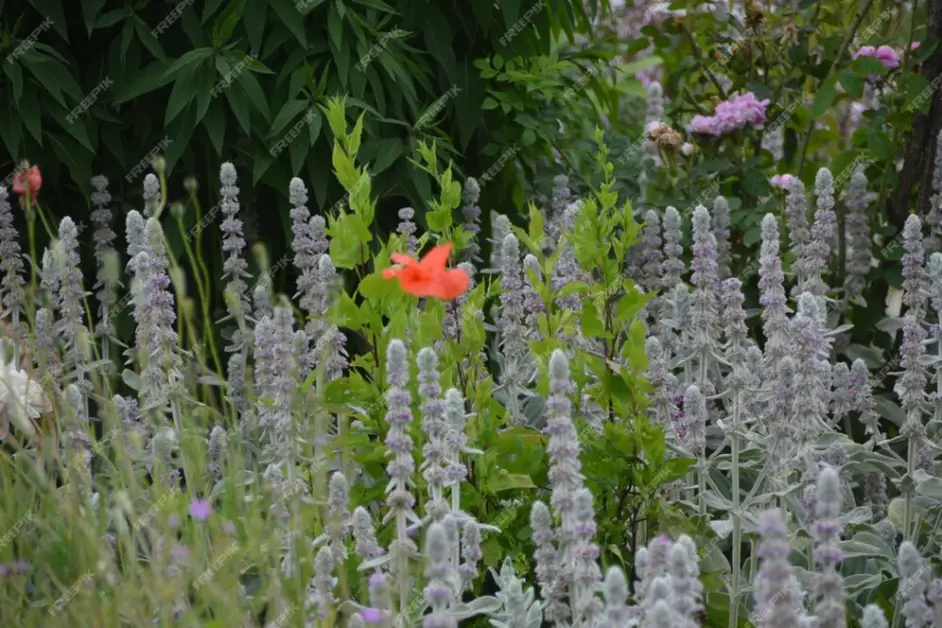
(890, 410)
(861, 514)
(375, 563)
(860, 582)
(838, 330)
(872, 357)
(484, 605)
(930, 487)
(723, 527)
(717, 501)
(874, 540)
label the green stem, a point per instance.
(837, 60)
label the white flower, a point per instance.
(894, 302)
(688, 149)
(21, 398)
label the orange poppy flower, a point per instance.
(429, 276)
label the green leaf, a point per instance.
(256, 95)
(630, 69)
(52, 10)
(215, 123)
(881, 145)
(110, 18)
(225, 23)
(75, 159)
(90, 9)
(306, 6)
(298, 151)
(147, 39)
(209, 7)
(499, 482)
(592, 326)
(262, 162)
(240, 108)
(852, 82)
(291, 18)
(15, 72)
(31, 112)
(10, 128)
(288, 112)
(184, 90)
(254, 19)
(146, 80)
(823, 99)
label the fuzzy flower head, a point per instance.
(782, 181)
(200, 509)
(736, 113)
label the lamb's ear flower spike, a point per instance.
(912, 586)
(857, 226)
(11, 263)
(71, 302)
(776, 588)
(799, 231)
(407, 229)
(823, 234)
(546, 559)
(721, 223)
(829, 585)
(873, 617)
(615, 589)
(470, 195)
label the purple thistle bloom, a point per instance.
(200, 509)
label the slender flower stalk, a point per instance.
(105, 254)
(400, 469)
(11, 265)
(721, 223)
(829, 585)
(776, 589)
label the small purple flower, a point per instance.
(21, 565)
(200, 509)
(413, 529)
(173, 521)
(180, 552)
(372, 616)
(228, 527)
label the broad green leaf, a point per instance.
(209, 8)
(31, 111)
(298, 150)
(53, 11)
(15, 72)
(823, 99)
(262, 162)
(508, 481)
(90, 10)
(110, 18)
(287, 12)
(10, 128)
(148, 79)
(215, 124)
(184, 90)
(852, 82)
(255, 94)
(288, 113)
(226, 22)
(254, 19)
(147, 38)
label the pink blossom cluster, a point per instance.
(884, 54)
(782, 181)
(736, 113)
